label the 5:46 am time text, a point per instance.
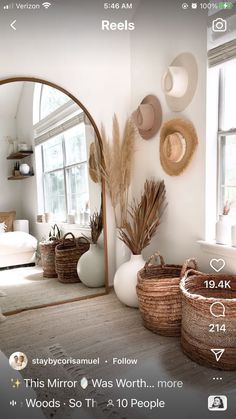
(118, 5)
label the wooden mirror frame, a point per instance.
(55, 86)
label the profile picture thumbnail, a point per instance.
(18, 361)
(217, 403)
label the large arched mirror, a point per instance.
(52, 211)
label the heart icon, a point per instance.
(217, 264)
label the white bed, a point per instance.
(17, 248)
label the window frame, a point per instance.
(65, 168)
(221, 138)
(55, 111)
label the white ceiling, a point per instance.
(9, 98)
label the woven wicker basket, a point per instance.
(159, 295)
(47, 251)
(198, 314)
(67, 256)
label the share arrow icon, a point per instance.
(218, 353)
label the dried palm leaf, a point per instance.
(144, 217)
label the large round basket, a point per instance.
(159, 295)
(67, 255)
(47, 251)
(208, 334)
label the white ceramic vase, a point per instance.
(123, 253)
(91, 267)
(223, 230)
(48, 217)
(125, 280)
(24, 169)
(233, 235)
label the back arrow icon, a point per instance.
(12, 25)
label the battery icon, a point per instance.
(225, 5)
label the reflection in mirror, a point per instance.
(51, 219)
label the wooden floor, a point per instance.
(103, 327)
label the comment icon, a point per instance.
(217, 309)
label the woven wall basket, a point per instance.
(47, 251)
(196, 338)
(67, 255)
(159, 295)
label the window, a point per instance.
(47, 100)
(227, 138)
(61, 150)
(51, 99)
(64, 173)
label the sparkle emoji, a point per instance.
(15, 383)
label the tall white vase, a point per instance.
(125, 280)
(123, 253)
(223, 230)
(91, 267)
(233, 235)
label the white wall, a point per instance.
(24, 126)
(211, 151)
(154, 44)
(10, 192)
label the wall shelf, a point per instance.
(19, 177)
(19, 155)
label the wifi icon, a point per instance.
(46, 4)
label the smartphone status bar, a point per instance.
(217, 6)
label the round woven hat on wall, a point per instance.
(148, 117)
(178, 141)
(179, 83)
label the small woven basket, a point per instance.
(47, 251)
(204, 319)
(67, 255)
(159, 295)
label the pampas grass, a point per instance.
(96, 225)
(117, 165)
(94, 162)
(143, 217)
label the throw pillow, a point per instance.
(2, 227)
(8, 218)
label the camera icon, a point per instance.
(219, 25)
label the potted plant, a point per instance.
(139, 226)
(47, 252)
(54, 233)
(116, 169)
